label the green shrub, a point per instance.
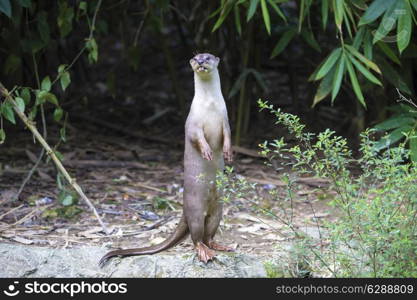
(376, 229)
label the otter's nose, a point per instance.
(199, 61)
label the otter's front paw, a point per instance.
(228, 153)
(207, 153)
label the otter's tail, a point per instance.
(179, 234)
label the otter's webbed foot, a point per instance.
(204, 253)
(215, 246)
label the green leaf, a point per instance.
(364, 71)
(252, 9)
(325, 87)
(241, 79)
(404, 27)
(362, 58)
(357, 41)
(277, 10)
(46, 84)
(387, 22)
(337, 80)
(52, 99)
(238, 83)
(20, 104)
(413, 148)
(33, 113)
(327, 65)
(376, 9)
(6, 8)
(58, 113)
(65, 80)
(324, 12)
(259, 79)
(92, 48)
(388, 52)
(395, 122)
(393, 77)
(367, 45)
(65, 198)
(43, 96)
(25, 94)
(283, 42)
(62, 134)
(2, 136)
(7, 112)
(354, 81)
(65, 17)
(265, 15)
(237, 20)
(225, 12)
(392, 138)
(61, 68)
(310, 39)
(338, 6)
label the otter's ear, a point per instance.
(191, 61)
(217, 60)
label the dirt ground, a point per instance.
(136, 186)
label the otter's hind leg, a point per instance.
(195, 211)
(212, 221)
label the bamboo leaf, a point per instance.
(387, 22)
(310, 39)
(365, 72)
(277, 10)
(393, 77)
(388, 52)
(376, 9)
(338, 6)
(265, 15)
(367, 45)
(338, 76)
(324, 12)
(225, 12)
(283, 42)
(404, 27)
(327, 65)
(354, 81)
(393, 137)
(362, 58)
(237, 20)
(395, 122)
(357, 41)
(253, 5)
(325, 87)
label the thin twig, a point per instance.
(31, 126)
(403, 98)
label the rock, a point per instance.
(29, 261)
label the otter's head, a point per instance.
(204, 63)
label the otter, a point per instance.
(207, 144)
